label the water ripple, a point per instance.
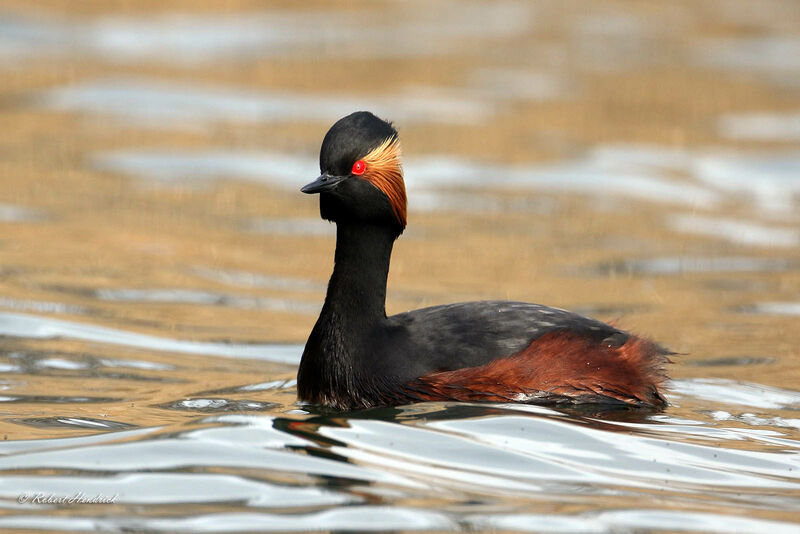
(31, 326)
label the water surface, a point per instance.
(160, 271)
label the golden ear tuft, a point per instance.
(384, 171)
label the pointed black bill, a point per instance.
(324, 183)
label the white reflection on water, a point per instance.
(258, 280)
(736, 231)
(191, 39)
(286, 170)
(134, 364)
(755, 420)
(520, 84)
(170, 105)
(41, 306)
(184, 38)
(532, 457)
(166, 488)
(197, 296)
(629, 171)
(523, 455)
(23, 37)
(196, 449)
(634, 520)
(11, 447)
(688, 264)
(777, 57)
(772, 180)
(760, 126)
(742, 393)
(13, 213)
(520, 450)
(60, 363)
(776, 308)
(294, 226)
(633, 171)
(34, 327)
(368, 518)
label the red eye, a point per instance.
(359, 167)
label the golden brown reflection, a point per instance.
(625, 73)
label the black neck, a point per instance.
(357, 288)
(354, 305)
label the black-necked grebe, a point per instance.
(357, 357)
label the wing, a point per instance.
(560, 367)
(470, 334)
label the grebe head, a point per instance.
(361, 176)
